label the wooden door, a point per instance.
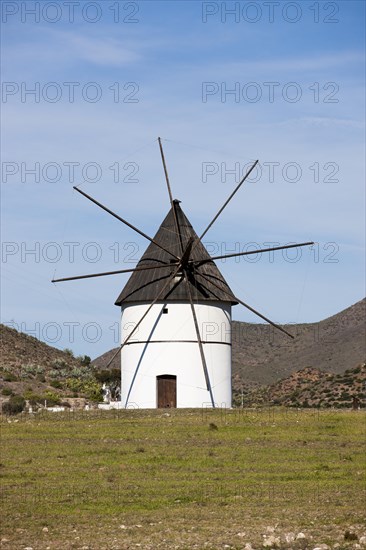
(167, 391)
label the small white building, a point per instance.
(165, 363)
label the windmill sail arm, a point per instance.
(229, 199)
(172, 203)
(103, 274)
(163, 289)
(178, 267)
(278, 327)
(258, 251)
(123, 221)
(199, 340)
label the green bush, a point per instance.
(10, 377)
(15, 405)
(51, 398)
(58, 373)
(59, 364)
(84, 360)
(29, 370)
(7, 391)
(56, 384)
(74, 385)
(93, 391)
(79, 373)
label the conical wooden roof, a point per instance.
(144, 286)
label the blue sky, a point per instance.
(296, 77)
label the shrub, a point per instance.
(108, 375)
(15, 405)
(78, 373)
(69, 352)
(56, 384)
(51, 398)
(58, 373)
(28, 370)
(93, 391)
(7, 391)
(74, 385)
(59, 364)
(84, 360)
(10, 377)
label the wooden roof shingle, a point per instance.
(144, 286)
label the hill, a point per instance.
(41, 372)
(311, 387)
(264, 364)
(263, 355)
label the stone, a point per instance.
(271, 541)
(362, 540)
(248, 546)
(289, 537)
(300, 536)
(241, 534)
(321, 547)
(45, 529)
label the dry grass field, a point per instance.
(183, 479)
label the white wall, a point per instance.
(168, 352)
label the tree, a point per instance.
(15, 405)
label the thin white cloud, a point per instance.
(68, 48)
(324, 122)
(311, 63)
(103, 52)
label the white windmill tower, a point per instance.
(180, 354)
(176, 317)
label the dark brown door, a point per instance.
(167, 391)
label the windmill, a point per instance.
(176, 315)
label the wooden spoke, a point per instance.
(201, 262)
(160, 294)
(124, 221)
(172, 203)
(278, 327)
(200, 345)
(229, 199)
(111, 273)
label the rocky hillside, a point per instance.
(263, 355)
(311, 387)
(266, 364)
(40, 372)
(18, 348)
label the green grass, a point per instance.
(187, 485)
